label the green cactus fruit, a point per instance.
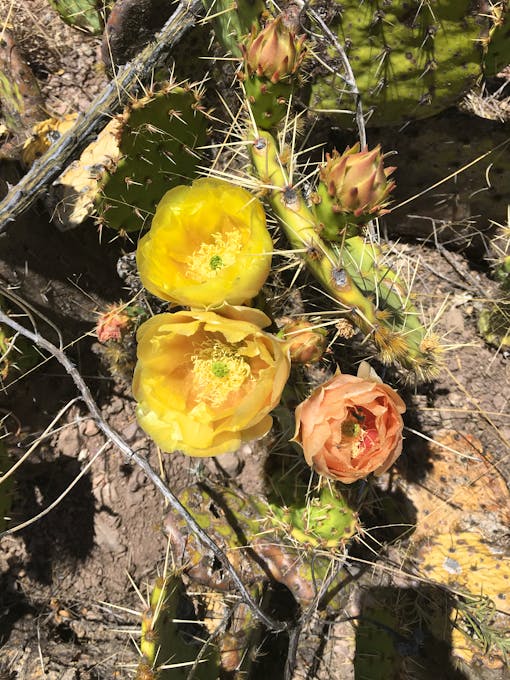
(86, 15)
(158, 140)
(233, 20)
(272, 57)
(166, 655)
(410, 59)
(6, 487)
(325, 521)
(353, 188)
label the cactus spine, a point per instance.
(158, 138)
(351, 273)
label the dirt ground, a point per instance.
(69, 605)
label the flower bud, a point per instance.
(354, 188)
(306, 343)
(112, 323)
(275, 52)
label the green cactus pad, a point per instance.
(158, 140)
(233, 20)
(162, 644)
(84, 14)
(410, 59)
(326, 521)
(255, 540)
(497, 55)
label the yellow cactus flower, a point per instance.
(208, 244)
(205, 383)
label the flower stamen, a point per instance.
(207, 261)
(218, 370)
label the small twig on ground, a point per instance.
(129, 78)
(133, 457)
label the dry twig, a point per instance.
(133, 457)
(129, 78)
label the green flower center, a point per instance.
(218, 370)
(208, 260)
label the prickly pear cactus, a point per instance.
(86, 15)
(158, 140)
(166, 655)
(245, 526)
(410, 59)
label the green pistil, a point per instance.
(215, 262)
(220, 369)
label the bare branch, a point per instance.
(349, 79)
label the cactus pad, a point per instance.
(410, 59)
(162, 645)
(158, 138)
(255, 542)
(84, 14)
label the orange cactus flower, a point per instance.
(208, 244)
(206, 383)
(351, 426)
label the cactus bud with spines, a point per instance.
(353, 188)
(353, 273)
(272, 57)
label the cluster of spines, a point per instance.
(158, 140)
(352, 273)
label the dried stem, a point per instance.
(132, 457)
(129, 78)
(349, 79)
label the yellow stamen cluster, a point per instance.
(207, 261)
(218, 370)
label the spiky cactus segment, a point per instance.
(353, 188)
(158, 140)
(325, 521)
(255, 541)
(410, 59)
(86, 15)
(354, 275)
(165, 655)
(272, 57)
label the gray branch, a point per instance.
(115, 95)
